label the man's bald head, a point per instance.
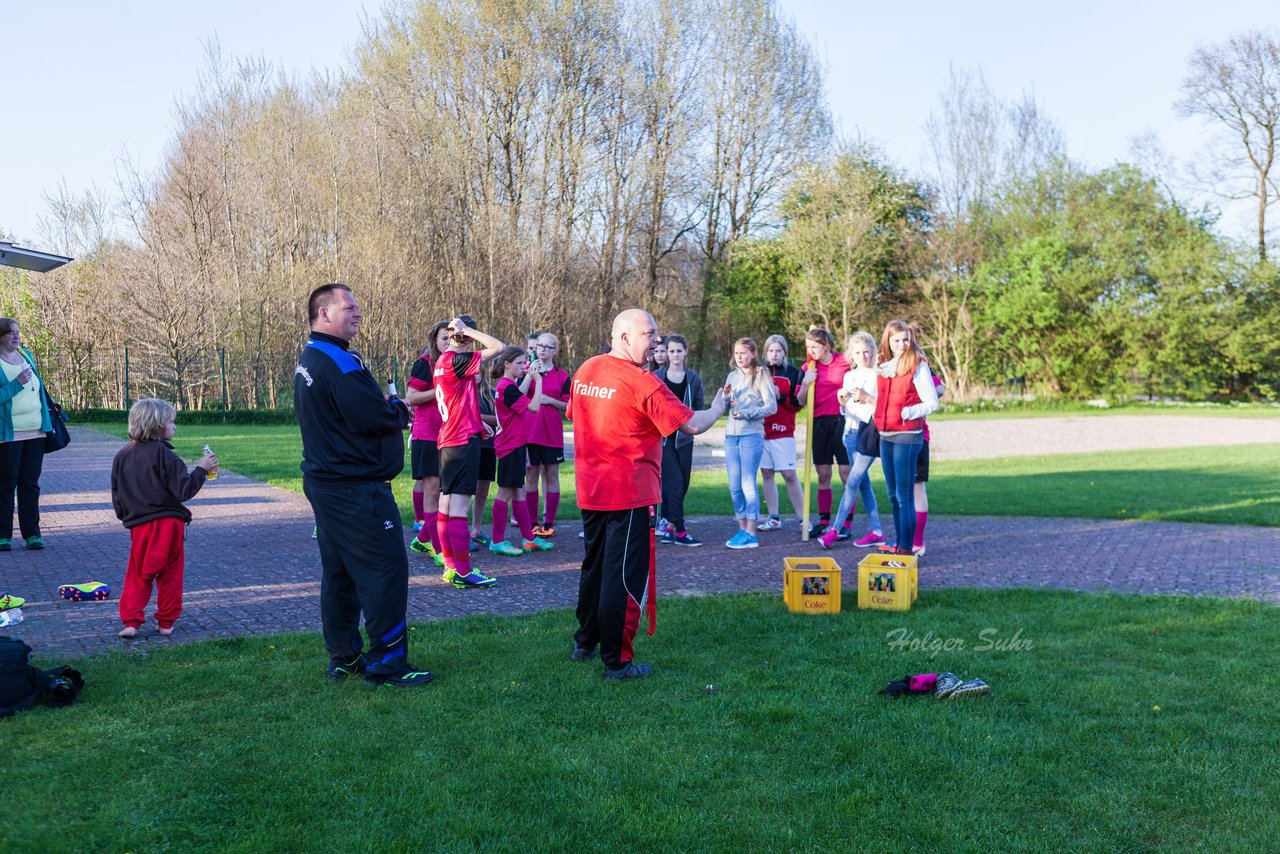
(635, 334)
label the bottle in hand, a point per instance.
(213, 472)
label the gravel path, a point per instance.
(252, 567)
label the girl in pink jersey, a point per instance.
(546, 436)
(518, 399)
(423, 453)
(825, 371)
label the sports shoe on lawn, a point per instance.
(8, 601)
(828, 539)
(743, 540)
(918, 551)
(339, 669)
(35, 543)
(417, 526)
(972, 688)
(537, 544)
(475, 578)
(947, 683)
(448, 575)
(685, 539)
(481, 539)
(93, 590)
(666, 538)
(817, 530)
(582, 653)
(502, 547)
(770, 524)
(410, 677)
(544, 530)
(629, 671)
(873, 538)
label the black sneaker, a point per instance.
(630, 671)
(583, 653)
(972, 688)
(844, 533)
(406, 678)
(946, 685)
(817, 531)
(339, 669)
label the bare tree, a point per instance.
(1236, 86)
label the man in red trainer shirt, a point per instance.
(620, 413)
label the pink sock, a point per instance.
(444, 547)
(553, 504)
(921, 519)
(499, 520)
(531, 501)
(417, 506)
(524, 520)
(460, 541)
(824, 502)
(428, 533)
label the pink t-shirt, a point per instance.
(513, 418)
(426, 418)
(830, 378)
(458, 398)
(546, 426)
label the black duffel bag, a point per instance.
(22, 686)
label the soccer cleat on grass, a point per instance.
(629, 671)
(416, 545)
(475, 578)
(92, 591)
(339, 669)
(972, 688)
(502, 547)
(482, 540)
(544, 530)
(407, 678)
(448, 575)
(35, 543)
(873, 538)
(947, 683)
(8, 600)
(537, 544)
(770, 524)
(686, 539)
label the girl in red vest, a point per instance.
(905, 394)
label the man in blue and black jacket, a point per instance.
(352, 447)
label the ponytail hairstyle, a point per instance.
(913, 356)
(755, 357)
(552, 336)
(432, 337)
(498, 366)
(821, 336)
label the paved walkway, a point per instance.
(252, 567)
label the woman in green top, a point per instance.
(24, 421)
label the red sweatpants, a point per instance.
(155, 555)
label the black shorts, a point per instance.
(544, 455)
(488, 464)
(922, 465)
(511, 469)
(424, 459)
(460, 468)
(828, 440)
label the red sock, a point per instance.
(444, 547)
(524, 520)
(553, 504)
(417, 506)
(429, 533)
(824, 503)
(460, 541)
(531, 501)
(499, 520)
(921, 519)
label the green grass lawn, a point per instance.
(1234, 484)
(1120, 723)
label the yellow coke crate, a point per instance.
(811, 585)
(889, 582)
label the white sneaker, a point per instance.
(770, 525)
(918, 551)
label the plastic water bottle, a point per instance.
(213, 472)
(10, 617)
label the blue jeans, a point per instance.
(742, 459)
(899, 463)
(859, 483)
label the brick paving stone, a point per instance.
(253, 569)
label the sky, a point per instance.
(87, 83)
